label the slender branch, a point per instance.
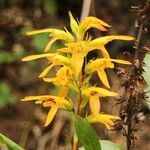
(131, 109)
(139, 36)
(130, 104)
(129, 121)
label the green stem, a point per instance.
(78, 110)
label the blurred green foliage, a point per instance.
(7, 57)
(2, 3)
(2, 43)
(39, 41)
(6, 96)
(10, 57)
(50, 7)
(24, 30)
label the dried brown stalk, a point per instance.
(134, 97)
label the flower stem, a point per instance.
(78, 110)
(75, 141)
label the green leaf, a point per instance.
(107, 145)
(9, 143)
(86, 134)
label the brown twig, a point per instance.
(133, 87)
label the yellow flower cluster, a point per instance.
(72, 75)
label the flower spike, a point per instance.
(73, 75)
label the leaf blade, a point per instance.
(86, 134)
(107, 145)
(9, 143)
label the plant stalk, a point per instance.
(129, 128)
(78, 110)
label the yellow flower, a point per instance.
(63, 80)
(99, 43)
(79, 29)
(80, 49)
(55, 102)
(102, 118)
(55, 34)
(63, 77)
(100, 65)
(55, 58)
(94, 93)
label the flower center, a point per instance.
(78, 47)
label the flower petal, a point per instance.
(39, 31)
(51, 115)
(63, 76)
(91, 91)
(46, 70)
(104, 52)
(62, 35)
(64, 50)
(103, 118)
(49, 79)
(55, 33)
(77, 63)
(59, 59)
(50, 44)
(98, 64)
(104, 40)
(30, 98)
(38, 56)
(100, 47)
(90, 22)
(49, 104)
(120, 61)
(73, 24)
(103, 77)
(94, 103)
(55, 58)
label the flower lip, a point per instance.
(93, 93)
(48, 99)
